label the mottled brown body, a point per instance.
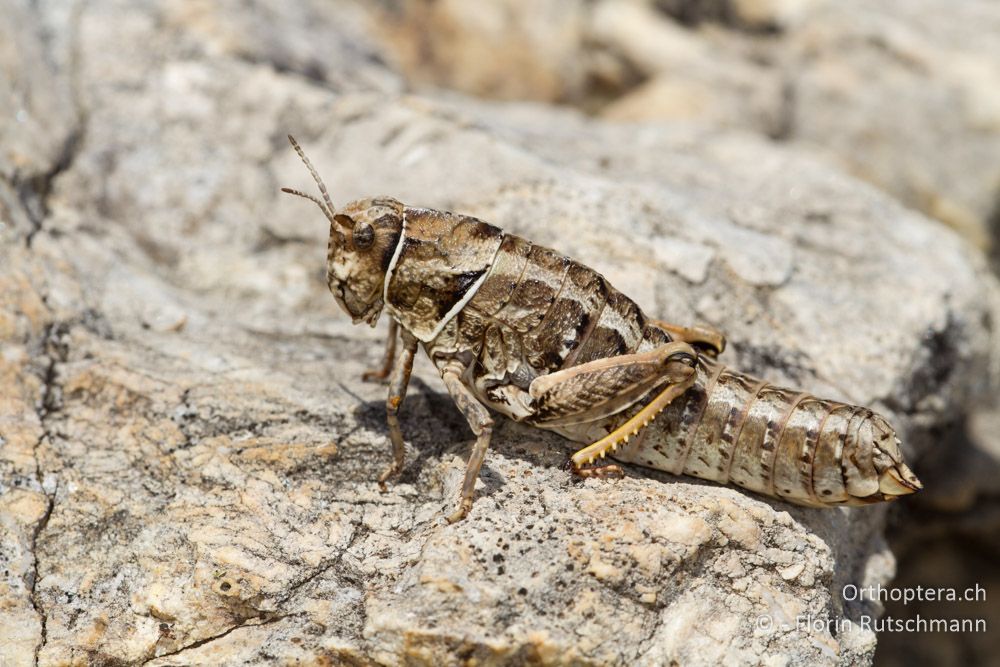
(545, 340)
(537, 312)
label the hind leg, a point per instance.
(706, 338)
(637, 422)
(604, 387)
(597, 471)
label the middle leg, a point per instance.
(481, 424)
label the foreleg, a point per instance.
(397, 392)
(382, 372)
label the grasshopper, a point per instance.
(531, 334)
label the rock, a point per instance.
(688, 77)
(901, 94)
(39, 128)
(507, 50)
(906, 97)
(955, 546)
(188, 457)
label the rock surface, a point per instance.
(955, 547)
(901, 93)
(188, 456)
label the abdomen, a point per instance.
(734, 428)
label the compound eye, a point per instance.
(363, 236)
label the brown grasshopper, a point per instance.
(544, 340)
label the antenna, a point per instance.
(309, 197)
(328, 208)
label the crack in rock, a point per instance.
(35, 190)
(48, 404)
(265, 619)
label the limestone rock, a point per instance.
(905, 94)
(954, 547)
(513, 49)
(902, 94)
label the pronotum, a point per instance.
(545, 340)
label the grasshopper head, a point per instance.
(363, 239)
